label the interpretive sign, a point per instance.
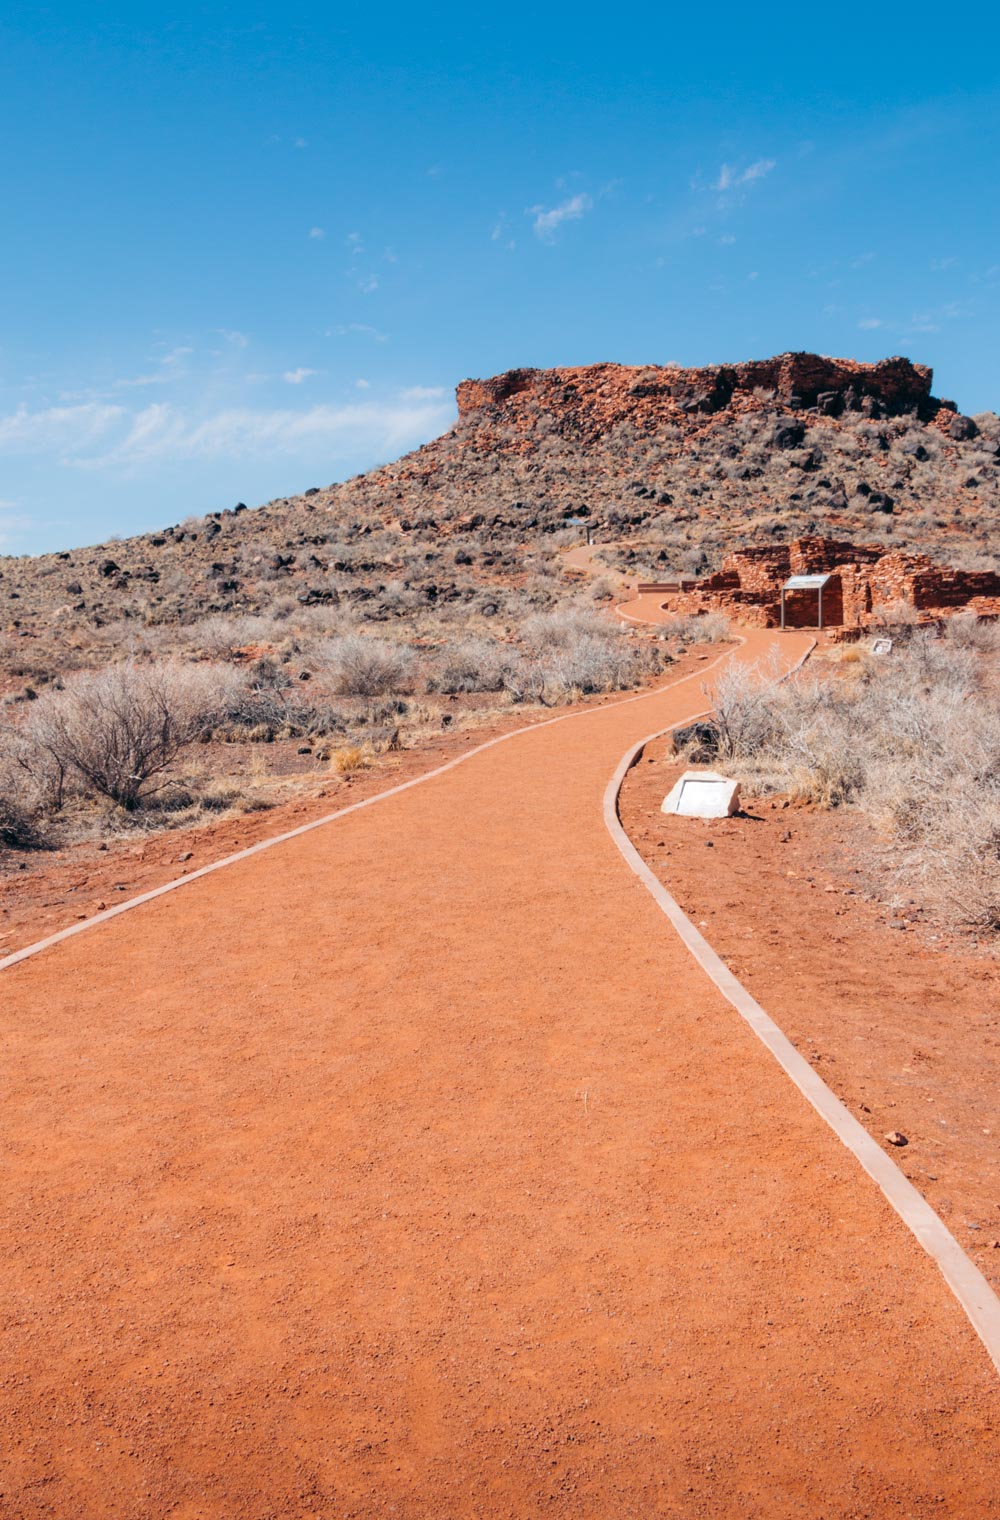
(702, 794)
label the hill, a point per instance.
(685, 464)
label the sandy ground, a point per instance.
(413, 1168)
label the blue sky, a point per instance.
(249, 250)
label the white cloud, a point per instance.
(868, 324)
(367, 284)
(730, 178)
(233, 338)
(58, 429)
(363, 385)
(424, 393)
(13, 522)
(296, 376)
(726, 238)
(318, 233)
(547, 222)
(96, 437)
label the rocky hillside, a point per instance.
(686, 464)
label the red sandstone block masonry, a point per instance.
(867, 586)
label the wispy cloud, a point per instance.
(731, 178)
(13, 522)
(297, 376)
(363, 329)
(501, 232)
(94, 437)
(56, 429)
(317, 233)
(547, 221)
(424, 393)
(868, 324)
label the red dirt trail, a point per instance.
(413, 1168)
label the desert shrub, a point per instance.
(746, 714)
(703, 628)
(20, 808)
(577, 651)
(357, 665)
(116, 733)
(472, 665)
(969, 632)
(913, 740)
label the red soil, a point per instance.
(905, 1029)
(413, 1168)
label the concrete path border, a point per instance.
(978, 1300)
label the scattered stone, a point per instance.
(895, 1138)
(187, 854)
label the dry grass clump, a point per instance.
(913, 740)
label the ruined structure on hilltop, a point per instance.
(867, 587)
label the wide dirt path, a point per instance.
(412, 1168)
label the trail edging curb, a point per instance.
(974, 1294)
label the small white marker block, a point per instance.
(702, 794)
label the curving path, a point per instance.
(413, 1168)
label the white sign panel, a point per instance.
(702, 794)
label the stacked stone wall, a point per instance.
(865, 582)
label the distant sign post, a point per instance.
(579, 522)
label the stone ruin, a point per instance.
(868, 587)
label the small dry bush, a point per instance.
(358, 665)
(472, 665)
(703, 628)
(115, 734)
(578, 652)
(913, 740)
